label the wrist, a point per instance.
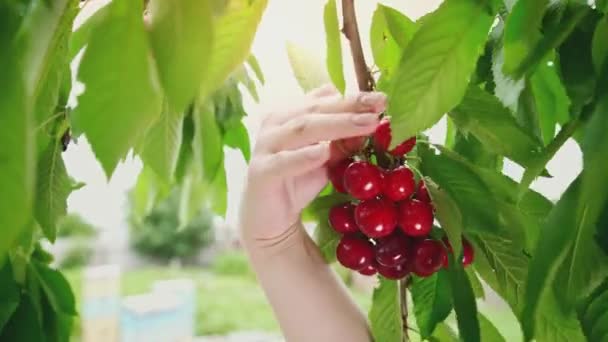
(293, 240)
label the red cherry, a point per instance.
(336, 174)
(399, 183)
(428, 257)
(422, 194)
(415, 217)
(383, 137)
(394, 273)
(468, 254)
(342, 218)
(370, 270)
(354, 252)
(393, 250)
(404, 148)
(446, 262)
(376, 217)
(363, 180)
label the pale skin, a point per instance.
(287, 170)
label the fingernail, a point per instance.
(365, 119)
(317, 151)
(372, 99)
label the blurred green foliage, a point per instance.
(160, 234)
(73, 225)
(232, 263)
(78, 255)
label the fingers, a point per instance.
(325, 90)
(293, 163)
(362, 102)
(342, 149)
(308, 186)
(313, 128)
(358, 103)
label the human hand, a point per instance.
(294, 147)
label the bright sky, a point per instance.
(104, 203)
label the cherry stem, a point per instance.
(351, 32)
(366, 82)
(403, 285)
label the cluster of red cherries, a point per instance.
(385, 228)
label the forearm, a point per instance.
(309, 300)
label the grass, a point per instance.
(228, 297)
(227, 301)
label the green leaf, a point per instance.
(475, 283)
(555, 325)
(9, 292)
(319, 208)
(530, 48)
(464, 302)
(43, 40)
(483, 115)
(17, 158)
(24, 324)
(576, 279)
(57, 326)
(551, 101)
(576, 68)
(602, 231)
(488, 331)
(502, 264)
(234, 31)
(160, 147)
(192, 195)
(467, 190)
(470, 148)
(238, 137)
(218, 195)
(593, 315)
(81, 35)
(432, 301)
(436, 66)
(602, 5)
(448, 215)
(523, 213)
(526, 114)
(568, 228)
(536, 168)
(443, 333)
(522, 33)
(599, 50)
(53, 186)
(507, 90)
(243, 78)
(327, 240)
(255, 66)
(120, 103)
(207, 142)
(186, 153)
(401, 28)
(385, 314)
(228, 104)
(56, 288)
(307, 67)
(148, 190)
(390, 33)
(181, 34)
(334, 45)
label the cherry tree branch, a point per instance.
(403, 285)
(366, 82)
(350, 30)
